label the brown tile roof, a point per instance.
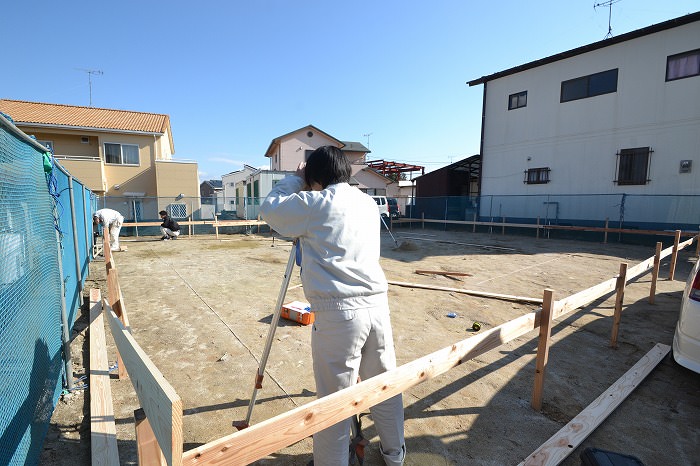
(84, 117)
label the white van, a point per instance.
(382, 205)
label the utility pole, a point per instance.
(90, 73)
(367, 136)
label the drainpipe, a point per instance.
(481, 142)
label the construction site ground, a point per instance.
(200, 307)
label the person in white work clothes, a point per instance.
(339, 232)
(113, 220)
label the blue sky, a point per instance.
(233, 75)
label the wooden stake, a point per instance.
(674, 255)
(542, 348)
(619, 299)
(474, 226)
(216, 226)
(538, 227)
(503, 225)
(114, 293)
(655, 273)
(147, 447)
(422, 217)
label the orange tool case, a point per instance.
(298, 312)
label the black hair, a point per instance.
(162, 212)
(327, 165)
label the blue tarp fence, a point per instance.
(45, 251)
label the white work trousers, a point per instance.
(169, 233)
(114, 229)
(345, 344)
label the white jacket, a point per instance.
(108, 216)
(339, 233)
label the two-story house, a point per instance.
(287, 151)
(125, 157)
(615, 118)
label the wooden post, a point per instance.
(503, 225)
(655, 272)
(422, 218)
(114, 292)
(542, 348)
(147, 447)
(674, 255)
(216, 226)
(474, 225)
(619, 298)
(538, 227)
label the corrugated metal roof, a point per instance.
(85, 117)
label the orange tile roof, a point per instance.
(84, 117)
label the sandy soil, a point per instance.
(201, 307)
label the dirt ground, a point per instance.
(201, 308)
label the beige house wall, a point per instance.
(90, 172)
(174, 179)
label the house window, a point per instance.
(589, 86)
(683, 65)
(517, 100)
(178, 210)
(537, 175)
(47, 144)
(633, 166)
(123, 154)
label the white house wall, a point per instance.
(578, 140)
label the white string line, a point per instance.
(279, 385)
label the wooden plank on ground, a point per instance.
(483, 294)
(259, 440)
(103, 431)
(561, 444)
(441, 272)
(162, 405)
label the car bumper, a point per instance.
(686, 350)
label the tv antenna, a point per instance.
(609, 4)
(90, 73)
(367, 136)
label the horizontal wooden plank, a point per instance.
(484, 294)
(583, 298)
(259, 440)
(561, 444)
(543, 226)
(442, 272)
(162, 405)
(103, 430)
